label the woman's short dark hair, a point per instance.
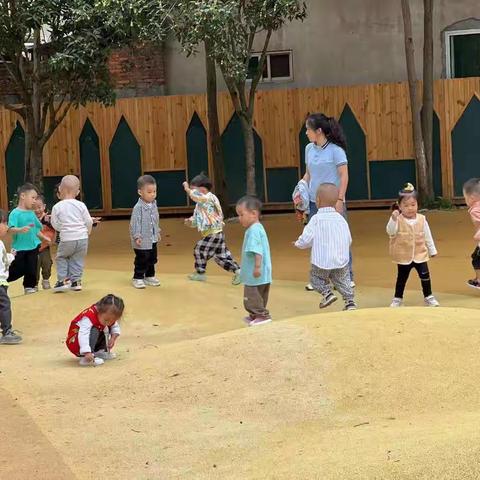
(329, 126)
(250, 203)
(202, 181)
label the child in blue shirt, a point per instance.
(256, 267)
(26, 230)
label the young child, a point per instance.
(328, 235)
(94, 332)
(71, 219)
(44, 266)
(411, 245)
(145, 233)
(256, 267)
(471, 192)
(9, 337)
(208, 219)
(26, 229)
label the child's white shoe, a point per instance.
(431, 301)
(29, 291)
(46, 284)
(84, 362)
(152, 281)
(105, 355)
(138, 283)
(396, 302)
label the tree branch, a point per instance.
(54, 123)
(258, 75)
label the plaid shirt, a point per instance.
(145, 224)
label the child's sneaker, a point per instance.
(474, 284)
(152, 281)
(352, 284)
(396, 302)
(431, 301)
(46, 284)
(236, 278)
(138, 283)
(259, 321)
(10, 338)
(198, 277)
(309, 287)
(61, 287)
(29, 291)
(105, 355)
(86, 363)
(350, 305)
(328, 300)
(76, 286)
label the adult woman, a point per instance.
(326, 161)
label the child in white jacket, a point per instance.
(9, 337)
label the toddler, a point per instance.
(94, 332)
(26, 229)
(471, 192)
(256, 267)
(44, 265)
(9, 337)
(208, 219)
(411, 245)
(71, 219)
(145, 233)
(328, 235)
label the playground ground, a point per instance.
(194, 394)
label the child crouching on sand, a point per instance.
(208, 219)
(94, 332)
(328, 235)
(411, 245)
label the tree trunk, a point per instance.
(214, 137)
(427, 113)
(415, 105)
(249, 142)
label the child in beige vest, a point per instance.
(411, 245)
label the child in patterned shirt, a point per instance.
(208, 219)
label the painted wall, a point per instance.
(341, 44)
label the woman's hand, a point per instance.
(340, 206)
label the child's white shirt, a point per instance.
(6, 260)
(85, 326)
(72, 219)
(392, 230)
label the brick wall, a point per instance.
(136, 72)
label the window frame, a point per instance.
(449, 36)
(269, 79)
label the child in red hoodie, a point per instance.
(94, 332)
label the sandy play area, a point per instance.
(372, 394)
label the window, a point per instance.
(278, 67)
(463, 53)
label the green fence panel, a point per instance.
(466, 146)
(235, 165)
(197, 147)
(387, 177)
(14, 162)
(125, 166)
(356, 154)
(90, 167)
(281, 183)
(170, 192)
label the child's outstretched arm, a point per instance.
(195, 195)
(306, 238)
(432, 250)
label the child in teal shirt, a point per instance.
(26, 230)
(256, 267)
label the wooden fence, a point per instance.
(166, 136)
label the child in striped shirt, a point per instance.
(328, 235)
(208, 219)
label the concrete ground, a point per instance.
(194, 394)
